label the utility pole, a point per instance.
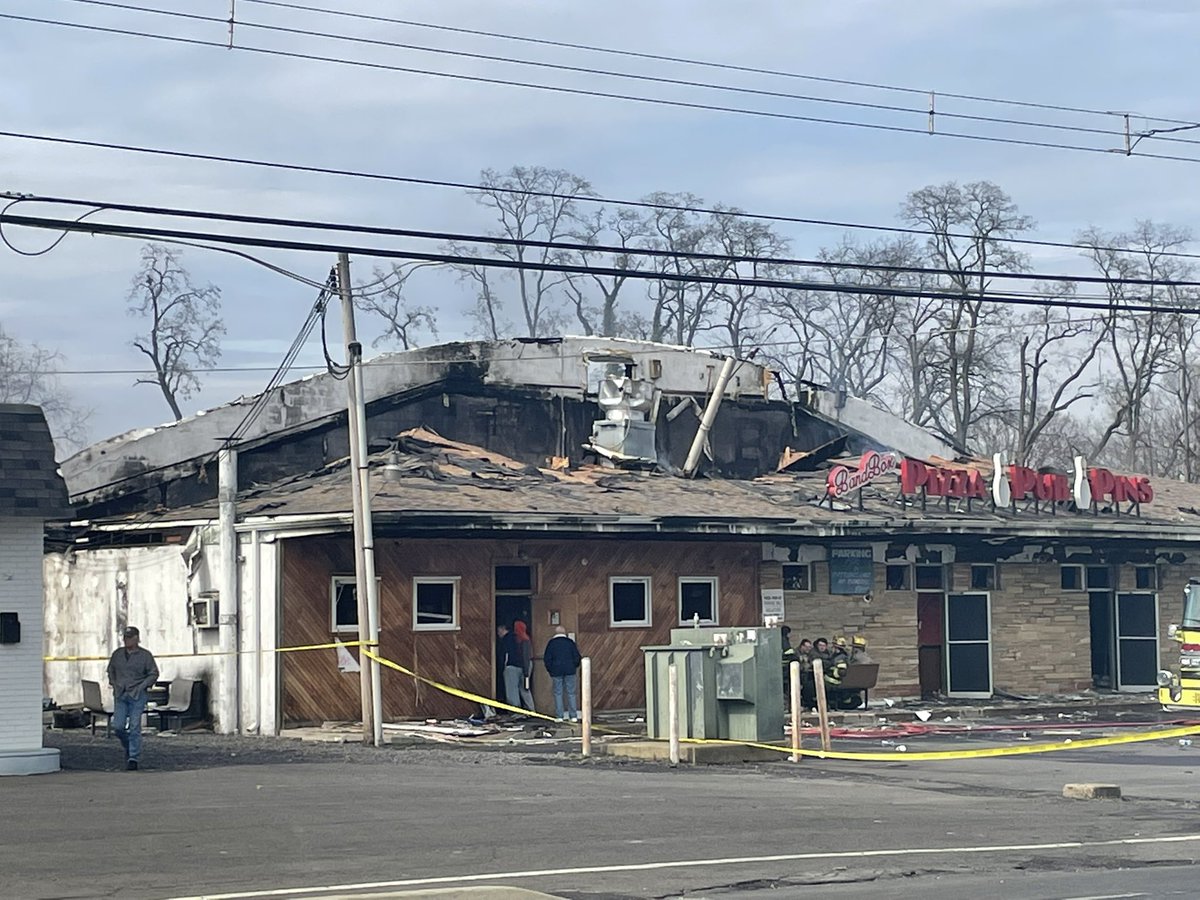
(366, 589)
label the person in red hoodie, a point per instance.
(525, 647)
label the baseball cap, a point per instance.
(130, 631)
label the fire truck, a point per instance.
(1182, 690)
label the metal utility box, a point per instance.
(730, 684)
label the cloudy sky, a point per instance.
(1122, 55)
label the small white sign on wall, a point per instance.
(772, 602)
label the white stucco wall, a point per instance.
(21, 663)
(91, 595)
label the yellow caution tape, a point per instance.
(456, 692)
(894, 756)
(874, 756)
(330, 646)
(1011, 750)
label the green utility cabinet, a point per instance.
(730, 686)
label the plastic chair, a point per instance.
(93, 704)
(179, 701)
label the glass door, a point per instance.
(1137, 641)
(968, 645)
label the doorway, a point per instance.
(930, 637)
(1137, 641)
(513, 591)
(1102, 632)
(968, 645)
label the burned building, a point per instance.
(548, 481)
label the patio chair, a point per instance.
(179, 702)
(93, 705)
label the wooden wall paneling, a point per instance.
(572, 577)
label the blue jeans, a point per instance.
(127, 723)
(559, 682)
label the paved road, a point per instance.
(200, 821)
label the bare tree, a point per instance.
(403, 323)
(740, 309)
(595, 298)
(967, 226)
(1056, 370)
(681, 309)
(185, 326)
(1140, 343)
(530, 204)
(846, 340)
(29, 374)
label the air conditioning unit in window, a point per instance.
(204, 611)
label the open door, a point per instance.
(930, 638)
(968, 645)
(514, 600)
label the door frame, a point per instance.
(1119, 683)
(976, 695)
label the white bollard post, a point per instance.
(585, 696)
(822, 704)
(673, 713)
(794, 677)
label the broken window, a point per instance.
(983, 578)
(899, 577)
(797, 577)
(1099, 577)
(931, 578)
(1072, 578)
(629, 601)
(698, 598)
(1145, 578)
(343, 604)
(435, 604)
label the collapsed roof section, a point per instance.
(558, 367)
(430, 485)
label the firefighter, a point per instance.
(858, 650)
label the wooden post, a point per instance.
(822, 703)
(794, 675)
(673, 713)
(585, 674)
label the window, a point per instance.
(343, 604)
(1072, 578)
(1145, 578)
(629, 602)
(797, 577)
(435, 604)
(983, 578)
(899, 577)
(698, 597)
(514, 578)
(931, 578)
(1099, 578)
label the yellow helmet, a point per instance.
(839, 641)
(859, 640)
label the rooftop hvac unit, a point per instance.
(624, 435)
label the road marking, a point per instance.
(688, 864)
(1107, 896)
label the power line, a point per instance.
(1002, 298)
(610, 95)
(709, 64)
(621, 251)
(654, 79)
(552, 195)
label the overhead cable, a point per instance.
(1130, 304)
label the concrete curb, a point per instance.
(1087, 791)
